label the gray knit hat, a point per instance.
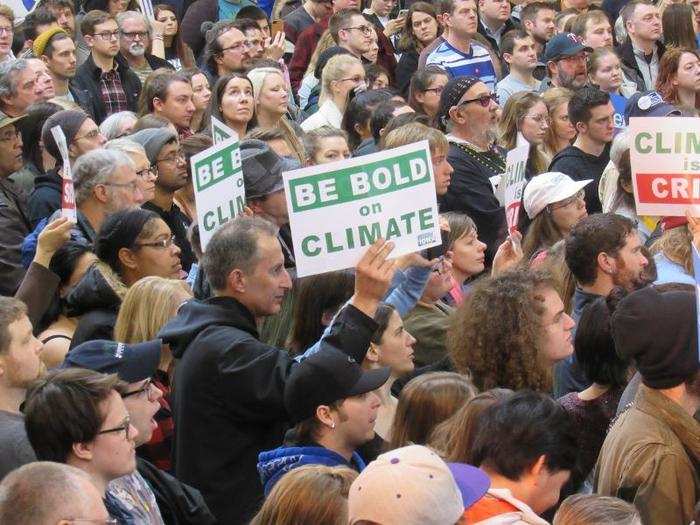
(69, 121)
(153, 140)
(262, 168)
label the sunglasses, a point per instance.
(484, 100)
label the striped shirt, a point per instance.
(477, 63)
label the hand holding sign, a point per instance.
(51, 238)
(373, 275)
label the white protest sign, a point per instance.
(147, 9)
(219, 189)
(67, 190)
(514, 182)
(220, 131)
(665, 159)
(337, 210)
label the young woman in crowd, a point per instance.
(425, 402)
(131, 244)
(527, 114)
(37, 160)
(420, 30)
(592, 509)
(561, 133)
(295, 497)
(593, 408)
(69, 263)
(177, 52)
(356, 120)
(554, 203)
(391, 346)
(233, 103)
(605, 72)
(342, 75)
(118, 125)
(373, 51)
(326, 144)
(510, 332)
(271, 105)
(425, 90)
(376, 77)
(679, 26)
(466, 253)
(201, 97)
(678, 81)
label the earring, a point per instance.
(333, 425)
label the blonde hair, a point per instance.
(335, 69)
(676, 244)
(295, 497)
(415, 132)
(553, 98)
(148, 305)
(592, 509)
(257, 78)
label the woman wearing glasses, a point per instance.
(425, 90)
(554, 203)
(343, 75)
(130, 245)
(420, 29)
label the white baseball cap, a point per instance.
(548, 188)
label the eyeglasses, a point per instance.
(10, 136)
(356, 79)
(90, 135)
(133, 184)
(365, 30)
(581, 57)
(578, 199)
(108, 35)
(6, 30)
(173, 157)
(162, 244)
(484, 100)
(436, 90)
(541, 119)
(147, 388)
(237, 47)
(143, 35)
(148, 171)
(125, 426)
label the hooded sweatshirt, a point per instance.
(579, 165)
(46, 197)
(228, 397)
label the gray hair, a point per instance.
(235, 246)
(111, 127)
(96, 167)
(9, 72)
(128, 15)
(42, 492)
(126, 145)
(620, 144)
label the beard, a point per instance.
(137, 50)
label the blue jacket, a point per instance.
(272, 464)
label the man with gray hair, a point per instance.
(135, 34)
(147, 172)
(17, 87)
(47, 493)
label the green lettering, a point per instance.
(310, 252)
(332, 248)
(425, 218)
(638, 142)
(659, 146)
(392, 229)
(367, 237)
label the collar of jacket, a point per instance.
(96, 72)
(241, 313)
(626, 51)
(684, 426)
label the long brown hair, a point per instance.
(541, 235)
(182, 50)
(553, 98)
(514, 112)
(426, 401)
(408, 40)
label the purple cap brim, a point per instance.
(472, 482)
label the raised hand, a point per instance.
(508, 255)
(51, 239)
(274, 48)
(373, 275)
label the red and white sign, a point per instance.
(67, 190)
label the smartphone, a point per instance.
(276, 27)
(403, 13)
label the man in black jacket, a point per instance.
(641, 54)
(105, 76)
(228, 401)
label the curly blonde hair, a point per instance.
(496, 333)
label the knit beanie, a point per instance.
(40, 41)
(453, 91)
(153, 140)
(69, 121)
(659, 331)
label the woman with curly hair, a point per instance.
(511, 331)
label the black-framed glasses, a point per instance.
(108, 35)
(145, 172)
(143, 35)
(437, 90)
(364, 29)
(125, 426)
(147, 388)
(173, 157)
(484, 100)
(162, 244)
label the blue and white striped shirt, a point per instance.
(477, 63)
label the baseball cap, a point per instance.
(564, 45)
(131, 362)
(548, 188)
(153, 140)
(6, 120)
(648, 104)
(262, 168)
(328, 375)
(413, 486)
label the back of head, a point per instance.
(416, 132)
(44, 493)
(516, 432)
(359, 111)
(96, 167)
(381, 116)
(426, 401)
(593, 509)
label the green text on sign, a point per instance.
(217, 167)
(351, 184)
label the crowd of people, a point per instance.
(546, 373)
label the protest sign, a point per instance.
(67, 190)
(146, 7)
(337, 210)
(220, 131)
(665, 158)
(219, 190)
(514, 183)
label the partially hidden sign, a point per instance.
(665, 160)
(514, 182)
(220, 131)
(337, 210)
(67, 188)
(219, 190)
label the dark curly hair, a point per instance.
(496, 332)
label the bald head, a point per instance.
(45, 493)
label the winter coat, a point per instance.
(228, 397)
(46, 197)
(14, 227)
(629, 66)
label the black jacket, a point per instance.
(581, 166)
(157, 62)
(228, 397)
(46, 197)
(629, 64)
(509, 25)
(408, 64)
(87, 82)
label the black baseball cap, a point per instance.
(132, 363)
(327, 376)
(564, 45)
